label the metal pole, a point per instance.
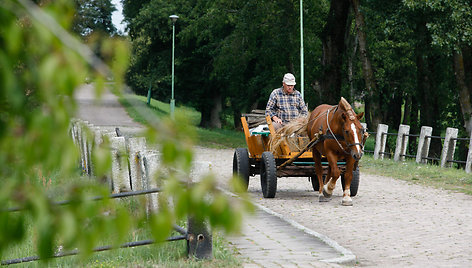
(172, 100)
(302, 78)
(149, 94)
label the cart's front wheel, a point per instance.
(268, 175)
(354, 182)
(241, 166)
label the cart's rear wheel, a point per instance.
(315, 183)
(268, 175)
(354, 182)
(241, 166)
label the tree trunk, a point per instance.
(368, 72)
(333, 38)
(464, 91)
(206, 115)
(394, 112)
(215, 121)
(350, 67)
(413, 123)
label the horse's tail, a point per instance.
(295, 128)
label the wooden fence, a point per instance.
(424, 141)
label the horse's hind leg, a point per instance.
(318, 169)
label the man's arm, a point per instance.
(303, 108)
(270, 108)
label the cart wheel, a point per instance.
(268, 175)
(315, 183)
(354, 182)
(241, 166)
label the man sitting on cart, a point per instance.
(285, 103)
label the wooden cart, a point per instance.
(286, 161)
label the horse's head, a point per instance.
(353, 132)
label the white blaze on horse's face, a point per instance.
(356, 138)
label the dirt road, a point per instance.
(392, 222)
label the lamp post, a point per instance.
(301, 51)
(172, 100)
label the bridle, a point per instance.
(337, 138)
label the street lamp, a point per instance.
(301, 49)
(172, 100)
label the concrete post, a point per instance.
(402, 143)
(449, 147)
(423, 144)
(135, 145)
(80, 141)
(380, 141)
(119, 171)
(89, 147)
(151, 166)
(468, 163)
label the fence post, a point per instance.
(402, 143)
(449, 147)
(119, 164)
(199, 240)
(468, 163)
(151, 167)
(380, 141)
(134, 146)
(423, 144)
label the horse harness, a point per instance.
(338, 137)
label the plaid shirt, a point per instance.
(286, 106)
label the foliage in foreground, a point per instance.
(40, 70)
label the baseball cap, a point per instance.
(289, 79)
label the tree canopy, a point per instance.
(407, 61)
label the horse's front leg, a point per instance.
(347, 200)
(333, 175)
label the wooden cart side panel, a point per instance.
(249, 141)
(255, 144)
(283, 145)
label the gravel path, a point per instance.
(392, 222)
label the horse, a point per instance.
(342, 137)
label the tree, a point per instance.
(334, 34)
(93, 17)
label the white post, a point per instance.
(449, 147)
(402, 143)
(135, 145)
(119, 164)
(151, 166)
(423, 144)
(468, 163)
(380, 141)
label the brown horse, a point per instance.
(343, 138)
